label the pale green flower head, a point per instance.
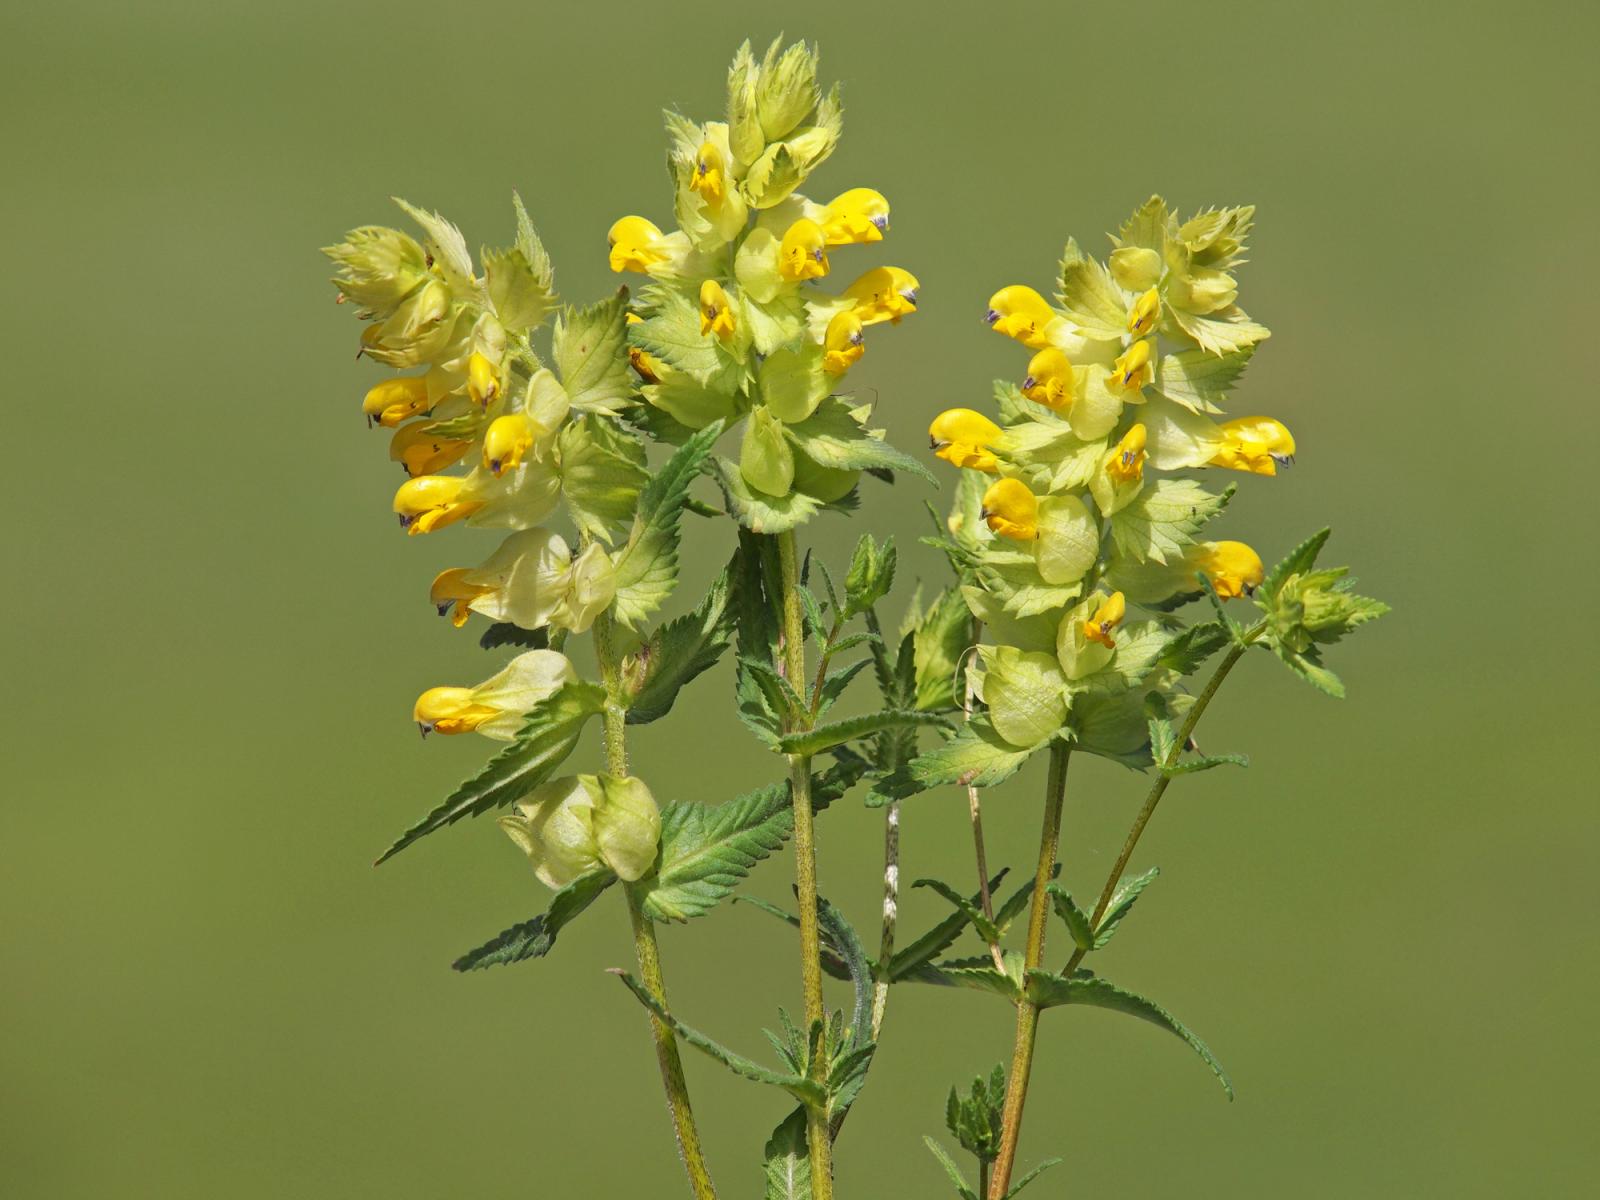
(573, 826)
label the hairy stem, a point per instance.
(1027, 1012)
(891, 909)
(818, 1136)
(1159, 788)
(644, 939)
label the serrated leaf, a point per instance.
(1031, 1176)
(602, 474)
(446, 247)
(788, 1159)
(1205, 762)
(1076, 920)
(833, 438)
(647, 567)
(1091, 298)
(672, 333)
(677, 652)
(590, 348)
(507, 633)
(976, 973)
(837, 681)
(1187, 652)
(950, 1169)
(551, 731)
(967, 908)
(937, 940)
(1225, 332)
(757, 511)
(1297, 562)
(805, 1090)
(1051, 991)
(940, 641)
(535, 938)
(824, 737)
(976, 756)
(1199, 380)
(520, 280)
(1123, 897)
(1163, 519)
(1162, 739)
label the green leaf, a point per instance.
(520, 281)
(1187, 652)
(1032, 1175)
(937, 940)
(1164, 518)
(1162, 739)
(602, 474)
(706, 851)
(940, 641)
(842, 939)
(1205, 762)
(1297, 562)
(672, 334)
(647, 567)
(788, 1159)
(1091, 297)
(677, 652)
(1123, 897)
(1225, 332)
(1051, 991)
(870, 576)
(834, 685)
(534, 939)
(950, 1169)
(1013, 905)
(824, 737)
(1077, 921)
(1198, 380)
(551, 732)
(977, 973)
(805, 1090)
(507, 633)
(969, 909)
(833, 438)
(976, 756)
(757, 511)
(590, 347)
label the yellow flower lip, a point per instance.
(1050, 380)
(1142, 316)
(1107, 617)
(1132, 368)
(635, 244)
(1011, 510)
(450, 710)
(1234, 569)
(483, 380)
(802, 254)
(716, 314)
(1259, 445)
(452, 593)
(506, 440)
(396, 400)
(1125, 463)
(420, 451)
(964, 438)
(431, 502)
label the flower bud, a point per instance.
(483, 380)
(716, 315)
(1132, 369)
(859, 215)
(1203, 290)
(1125, 462)
(802, 254)
(1144, 313)
(422, 452)
(884, 294)
(396, 400)
(786, 89)
(431, 502)
(842, 343)
(1050, 380)
(1084, 643)
(569, 827)
(963, 438)
(378, 267)
(765, 458)
(1233, 568)
(1011, 510)
(709, 178)
(1259, 445)
(1136, 267)
(1020, 312)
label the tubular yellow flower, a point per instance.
(1233, 568)
(396, 400)
(1142, 316)
(635, 245)
(1107, 617)
(1020, 312)
(1050, 380)
(452, 592)
(963, 438)
(709, 178)
(1011, 510)
(1132, 369)
(884, 294)
(859, 215)
(422, 452)
(648, 368)
(716, 316)
(506, 440)
(1125, 463)
(803, 252)
(1255, 444)
(483, 380)
(431, 502)
(450, 710)
(842, 344)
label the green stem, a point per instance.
(818, 1137)
(983, 1176)
(1159, 788)
(1028, 1012)
(644, 938)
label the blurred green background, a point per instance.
(1384, 928)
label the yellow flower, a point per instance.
(422, 452)
(859, 215)
(1132, 369)
(963, 438)
(1142, 316)
(506, 440)
(1020, 312)
(483, 380)
(636, 245)
(802, 254)
(884, 294)
(1107, 617)
(498, 706)
(1011, 510)
(1125, 463)
(648, 368)
(1255, 444)
(431, 502)
(716, 316)
(842, 344)
(453, 591)
(396, 400)
(709, 178)
(1233, 568)
(1050, 380)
